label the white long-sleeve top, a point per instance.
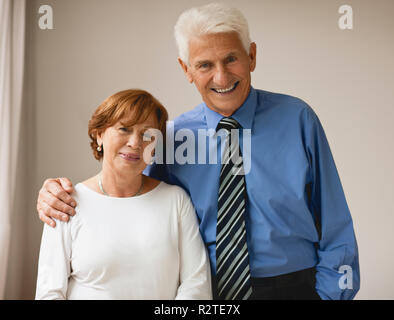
(143, 247)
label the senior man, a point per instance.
(281, 231)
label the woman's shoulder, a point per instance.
(81, 190)
(161, 187)
(166, 195)
(90, 183)
(175, 197)
(173, 189)
(87, 199)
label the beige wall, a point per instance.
(99, 47)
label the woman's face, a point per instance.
(124, 146)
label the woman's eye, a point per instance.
(147, 135)
(124, 129)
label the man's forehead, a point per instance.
(201, 59)
(217, 45)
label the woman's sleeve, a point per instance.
(195, 273)
(54, 262)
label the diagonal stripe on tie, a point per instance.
(229, 251)
(232, 257)
(232, 221)
(240, 278)
(227, 181)
(231, 199)
(227, 203)
(225, 283)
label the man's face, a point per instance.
(220, 68)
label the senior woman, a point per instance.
(132, 237)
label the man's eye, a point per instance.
(231, 59)
(204, 66)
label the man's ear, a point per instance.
(186, 70)
(252, 56)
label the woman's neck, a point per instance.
(120, 185)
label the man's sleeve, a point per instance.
(338, 273)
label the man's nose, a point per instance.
(221, 76)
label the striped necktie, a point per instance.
(232, 258)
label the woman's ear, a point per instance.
(99, 138)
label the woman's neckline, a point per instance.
(128, 198)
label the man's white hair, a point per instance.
(208, 19)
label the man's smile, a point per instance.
(226, 90)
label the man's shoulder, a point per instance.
(281, 100)
(284, 108)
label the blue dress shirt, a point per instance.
(297, 216)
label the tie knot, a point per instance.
(228, 124)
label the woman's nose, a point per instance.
(135, 141)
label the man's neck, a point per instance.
(224, 113)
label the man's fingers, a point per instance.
(49, 211)
(48, 201)
(46, 219)
(67, 185)
(55, 188)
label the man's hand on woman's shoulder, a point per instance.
(54, 201)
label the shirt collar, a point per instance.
(244, 114)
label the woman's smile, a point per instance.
(133, 157)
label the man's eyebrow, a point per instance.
(198, 63)
(234, 53)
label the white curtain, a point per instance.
(12, 43)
